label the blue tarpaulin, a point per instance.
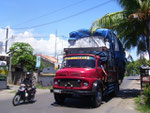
(86, 33)
(117, 54)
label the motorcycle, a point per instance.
(24, 94)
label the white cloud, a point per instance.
(144, 55)
(40, 46)
(133, 54)
(127, 54)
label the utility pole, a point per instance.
(56, 44)
(6, 40)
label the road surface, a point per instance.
(123, 103)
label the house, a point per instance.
(45, 77)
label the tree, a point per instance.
(132, 66)
(22, 56)
(132, 24)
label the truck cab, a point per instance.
(78, 72)
(82, 75)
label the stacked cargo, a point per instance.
(101, 38)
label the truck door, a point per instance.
(99, 70)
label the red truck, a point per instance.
(90, 72)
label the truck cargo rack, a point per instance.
(88, 50)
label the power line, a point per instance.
(50, 13)
(33, 36)
(65, 18)
(2, 28)
(40, 36)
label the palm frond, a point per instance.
(130, 24)
(130, 6)
(141, 48)
(109, 20)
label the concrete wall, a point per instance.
(45, 80)
(17, 77)
(37, 79)
(50, 69)
(3, 84)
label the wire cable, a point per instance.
(50, 13)
(2, 28)
(65, 18)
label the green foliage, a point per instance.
(131, 24)
(141, 107)
(132, 67)
(13, 92)
(42, 87)
(147, 95)
(22, 56)
(110, 21)
(145, 107)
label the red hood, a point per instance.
(85, 72)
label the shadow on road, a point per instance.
(128, 93)
(74, 103)
(83, 103)
(25, 103)
(134, 79)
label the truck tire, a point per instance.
(97, 98)
(116, 89)
(59, 98)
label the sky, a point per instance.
(41, 22)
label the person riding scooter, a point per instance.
(26, 92)
(29, 83)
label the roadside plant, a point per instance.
(147, 96)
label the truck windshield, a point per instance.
(79, 61)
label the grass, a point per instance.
(13, 91)
(141, 107)
(42, 87)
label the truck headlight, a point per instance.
(85, 83)
(56, 82)
(95, 84)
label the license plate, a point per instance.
(57, 91)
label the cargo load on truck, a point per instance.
(102, 42)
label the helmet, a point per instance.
(28, 75)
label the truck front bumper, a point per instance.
(72, 92)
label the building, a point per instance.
(4, 64)
(45, 77)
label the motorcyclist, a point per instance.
(28, 83)
(26, 91)
(28, 80)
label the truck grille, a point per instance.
(70, 83)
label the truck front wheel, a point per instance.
(59, 98)
(97, 98)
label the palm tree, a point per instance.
(132, 24)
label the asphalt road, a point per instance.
(45, 103)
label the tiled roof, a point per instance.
(49, 58)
